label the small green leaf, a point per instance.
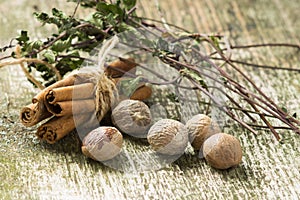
(59, 13)
(102, 8)
(110, 9)
(33, 45)
(23, 38)
(74, 53)
(194, 76)
(284, 109)
(129, 4)
(43, 17)
(162, 45)
(115, 9)
(50, 56)
(215, 40)
(61, 45)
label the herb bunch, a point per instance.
(75, 37)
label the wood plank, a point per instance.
(30, 169)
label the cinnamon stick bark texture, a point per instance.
(119, 67)
(70, 100)
(66, 108)
(35, 112)
(142, 93)
(81, 91)
(58, 127)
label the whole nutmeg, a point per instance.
(132, 117)
(222, 151)
(102, 143)
(200, 127)
(168, 137)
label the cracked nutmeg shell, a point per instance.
(200, 127)
(222, 151)
(103, 143)
(132, 117)
(168, 136)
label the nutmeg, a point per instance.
(132, 117)
(200, 127)
(222, 151)
(103, 143)
(168, 136)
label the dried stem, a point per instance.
(260, 66)
(20, 60)
(264, 45)
(27, 74)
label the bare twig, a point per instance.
(259, 66)
(27, 74)
(20, 60)
(265, 45)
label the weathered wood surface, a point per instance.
(30, 169)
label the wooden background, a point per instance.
(30, 169)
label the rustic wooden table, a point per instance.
(30, 169)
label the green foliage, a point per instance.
(73, 37)
(195, 76)
(216, 42)
(23, 38)
(50, 56)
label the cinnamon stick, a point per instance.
(68, 93)
(142, 93)
(35, 112)
(58, 127)
(119, 67)
(66, 108)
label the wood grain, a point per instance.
(30, 169)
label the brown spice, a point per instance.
(168, 137)
(132, 117)
(119, 67)
(200, 127)
(103, 143)
(222, 151)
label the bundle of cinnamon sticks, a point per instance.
(74, 98)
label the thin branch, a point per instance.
(27, 74)
(158, 21)
(274, 127)
(259, 66)
(34, 60)
(221, 107)
(61, 35)
(5, 57)
(265, 45)
(75, 10)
